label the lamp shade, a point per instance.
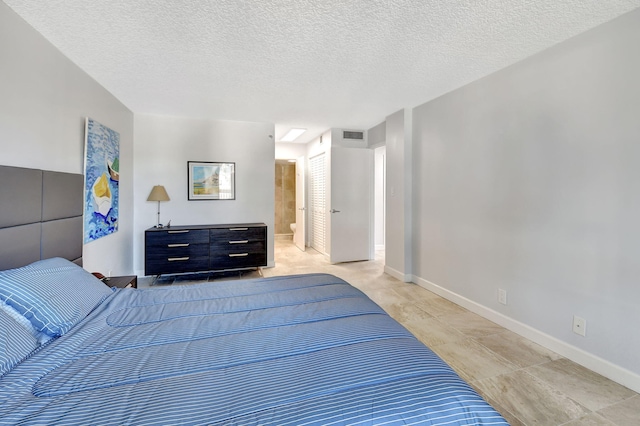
(158, 193)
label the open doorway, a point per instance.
(289, 210)
(285, 199)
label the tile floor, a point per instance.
(527, 383)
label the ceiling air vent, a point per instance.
(353, 135)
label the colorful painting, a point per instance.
(211, 181)
(101, 180)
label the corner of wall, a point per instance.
(398, 233)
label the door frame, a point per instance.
(299, 237)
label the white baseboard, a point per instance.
(398, 275)
(601, 366)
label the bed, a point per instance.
(292, 350)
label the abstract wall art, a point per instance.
(101, 180)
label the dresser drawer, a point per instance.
(245, 246)
(238, 233)
(185, 236)
(167, 251)
(176, 265)
(237, 260)
(176, 251)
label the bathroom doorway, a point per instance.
(285, 199)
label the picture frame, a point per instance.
(211, 180)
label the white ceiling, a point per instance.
(301, 63)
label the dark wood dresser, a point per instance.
(201, 248)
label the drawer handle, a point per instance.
(178, 259)
(238, 229)
(239, 254)
(184, 231)
(178, 245)
(239, 242)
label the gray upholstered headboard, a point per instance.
(40, 216)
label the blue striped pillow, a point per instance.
(53, 294)
(16, 342)
(25, 323)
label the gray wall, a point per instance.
(529, 180)
(399, 187)
(44, 99)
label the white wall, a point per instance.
(290, 151)
(163, 147)
(376, 136)
(44, 99)
(528, 180)
(337, 139)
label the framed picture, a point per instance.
(211, 181)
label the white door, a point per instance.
(350, 207)
(301, 214)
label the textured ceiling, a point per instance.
(301, 63)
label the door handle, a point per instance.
(302, 208)
(334, 211)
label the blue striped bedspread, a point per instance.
(295, 350)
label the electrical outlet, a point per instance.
(502, 296)
(579, 325)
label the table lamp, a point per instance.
(158, 193)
